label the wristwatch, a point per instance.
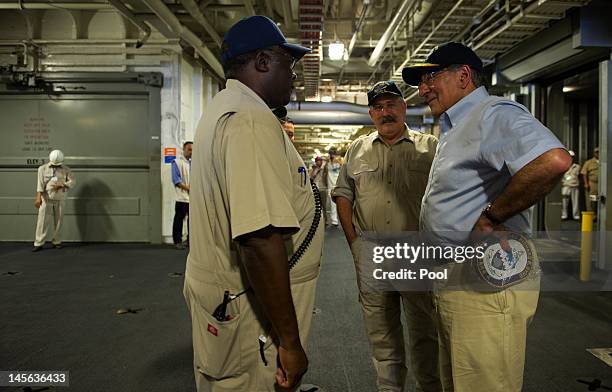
(487, 212)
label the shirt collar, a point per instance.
(374, 136)
(451, 117)
(235, 84)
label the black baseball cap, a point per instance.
(256, 32)
(444, 55)
(380, 88)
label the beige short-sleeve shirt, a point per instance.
(386, 183)
(590, 169)
(246, 175)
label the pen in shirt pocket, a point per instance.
(302, 171)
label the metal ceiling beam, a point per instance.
(166, 15)
(510, 23)
(287, 13)
(145, 30)
(192, 7)
(248, 4)
(270, 8)
(390, 31)
(225, 7)
(409, 55)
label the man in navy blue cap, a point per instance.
(379, 190)
(494, 162)
(252, 208)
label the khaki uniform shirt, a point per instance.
(386, 183)
(246, 175)
(49, 175)
(590, 169)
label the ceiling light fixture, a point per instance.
(336, 51)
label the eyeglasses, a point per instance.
(429, 77)
(389, 106)
(284, 53)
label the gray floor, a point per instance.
(59, 312)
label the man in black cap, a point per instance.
(494, 162)
(252, 207)
(379, 189)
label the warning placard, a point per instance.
(169, 154)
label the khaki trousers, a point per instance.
(483, 337)
(382, 318)
(591, 205)
(47, 208)
(227, 354)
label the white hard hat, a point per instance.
(56, 158)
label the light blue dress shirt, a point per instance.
(176, 173)
(484, 141)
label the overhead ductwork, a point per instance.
(338, 113)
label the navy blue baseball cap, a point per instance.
(256, 32)
(442, 56)
(380, 88)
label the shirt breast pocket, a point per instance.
(367, 177)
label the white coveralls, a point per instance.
(52, 200)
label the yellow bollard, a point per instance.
(586, 246)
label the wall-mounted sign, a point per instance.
(169, 154)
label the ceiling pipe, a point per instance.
(386, 37)
(39, 5)
(475, 19)
(409, 55)
(287, 13)
(364, 11)
(339, 113)
(347, 107)
(509, 23)
(192, 7)
(145, 30)
(164, 14)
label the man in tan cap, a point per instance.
(252, 208)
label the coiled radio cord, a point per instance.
(221, 310)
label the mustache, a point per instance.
(387, 119)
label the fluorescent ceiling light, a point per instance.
(336, 51)
(326, 98)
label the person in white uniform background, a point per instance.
(570, 189)
(54, 181)
(332, 171)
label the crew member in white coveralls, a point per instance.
(54, 181)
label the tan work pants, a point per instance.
(227, 354)
(590, 204)
(483, 337)
(48, 208)
(382, 318)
